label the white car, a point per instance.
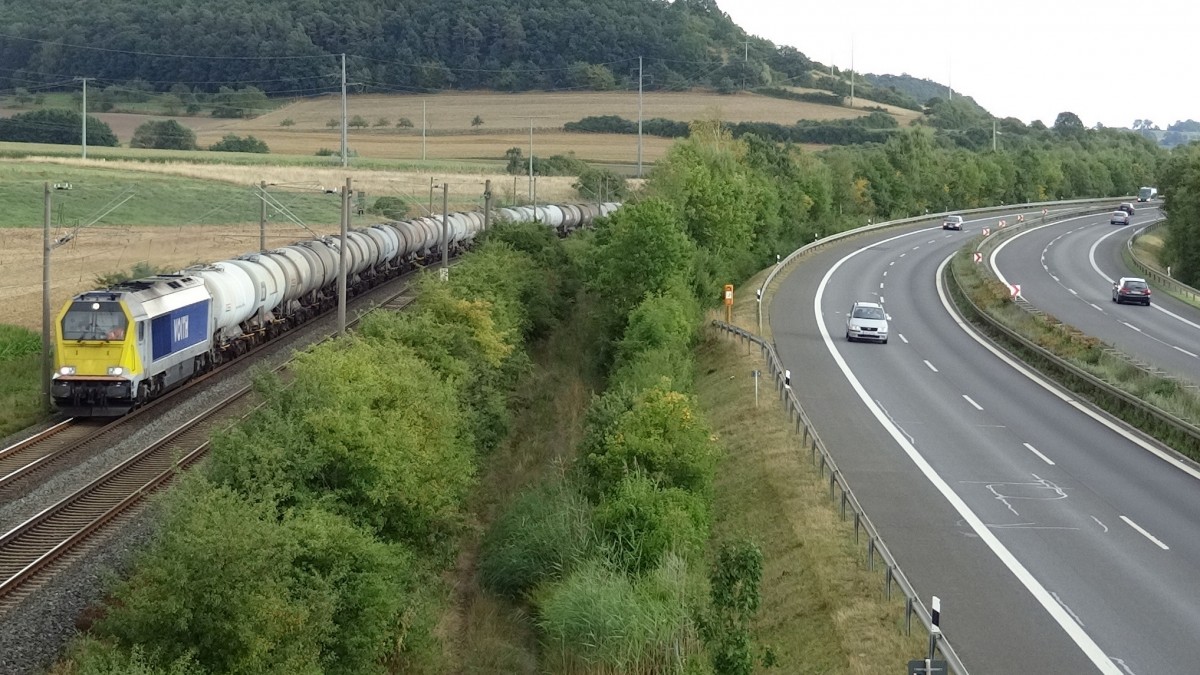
(867, 321)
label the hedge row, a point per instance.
(312, 540)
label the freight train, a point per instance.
(125, 345)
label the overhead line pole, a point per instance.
(83, 136)
(342, 259)
(345, 161)
(639, 174)
(46, 348)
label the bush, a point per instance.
(366, 429)
(597, 184)
(232, 143)
(661, 435)
(382, 122)
(333, 122)
(287, 122)
(404, 123)
(395, 208)
(640, 523)
(358, 122)
(541, 536)
(477, 121)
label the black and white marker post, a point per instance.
(935, 618)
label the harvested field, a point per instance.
(110, 249)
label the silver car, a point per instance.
(867, 321)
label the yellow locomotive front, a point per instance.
(95, 359)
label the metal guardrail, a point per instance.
(1174, 287)
(838, 486)
(1185, 429)
(792, 257)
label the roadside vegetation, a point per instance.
(20, 392)
(971, 283)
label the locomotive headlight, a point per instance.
(66, 370)
(115, 370)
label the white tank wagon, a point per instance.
(120, 347)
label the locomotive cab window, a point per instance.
(94, 321)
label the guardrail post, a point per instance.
(832, 482)
(908, 612)
(887, 583)
(871, 553)
(843, 504)
(857, 524)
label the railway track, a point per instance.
(33, 551)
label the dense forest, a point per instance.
(292, 47)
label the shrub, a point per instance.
(382, 122)
(395, 208)
(404, 123)
(595, 184)
(477, 121)
(367, 429)
(333, 122)
(661, 435)
(233, 143)
(326, 152)
(640, 522)
(163, 135)
(358, 122)
(287, 122)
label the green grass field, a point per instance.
(153, 199)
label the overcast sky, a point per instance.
(1108, 62)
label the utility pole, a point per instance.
(745, 61)
(487, 204)
(262, 216)
(445, 232)
(47, 370)
(342, 264)
(430, 209)
(851, 72)
(423, 140)
(83, 137)
(950, 79)
(531, 119)
(345, 160)
(639, 175)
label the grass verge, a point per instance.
(485, 633)
(822, 610)
(20, 389)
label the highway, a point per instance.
(1067, 270)
(1058, 541)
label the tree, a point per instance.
(1068, 123)
(55, 125)
(358, 122)
(404, 123)
(164, 135)
(477, 122)
(233, 143)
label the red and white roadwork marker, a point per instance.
(1020, 217)
(1044, 212)
(987, 231)
(977, 257)
(1003, 224)
(1014, 290)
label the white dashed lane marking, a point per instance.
(972, 402)
(1039, 454)
(902, 338)
(1145, 534)
(931, 366)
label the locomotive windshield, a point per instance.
(94, 321)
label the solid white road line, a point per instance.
(970, 400)
(1085, 642)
